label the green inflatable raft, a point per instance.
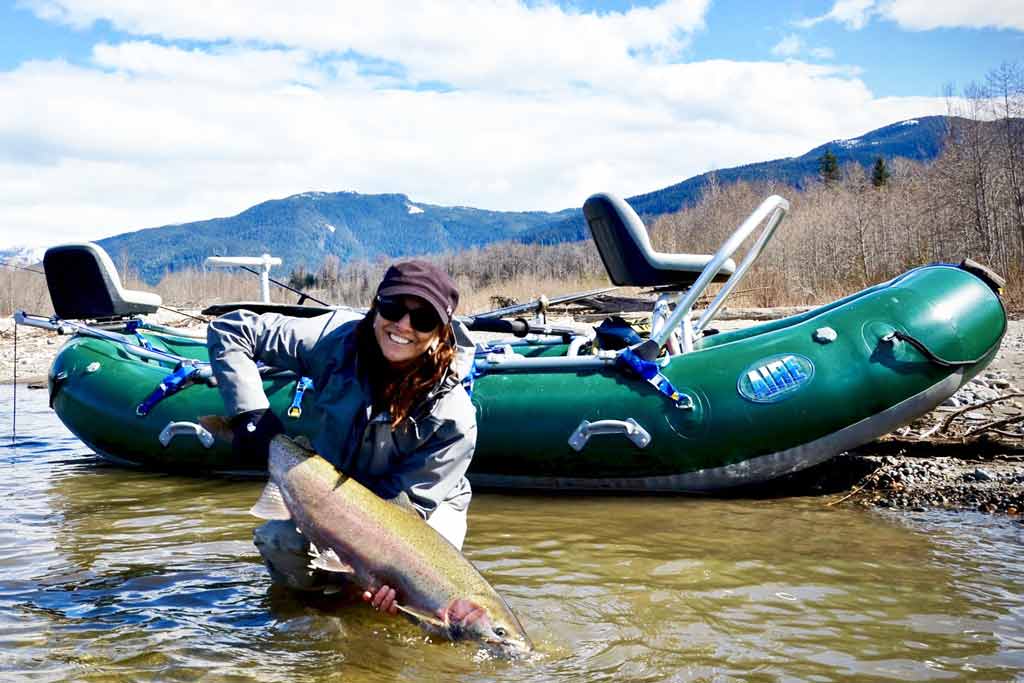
(685, 409)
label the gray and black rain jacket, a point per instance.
(426, 456)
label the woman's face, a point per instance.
(399, 341)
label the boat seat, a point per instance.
(627, 253)
(84, 284)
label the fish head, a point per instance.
(497, 628)
(285, 454)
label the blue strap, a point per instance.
(650, 371)
(295, 409)
(182, 376)
(132, 327)
(470, 379)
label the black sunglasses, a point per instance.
(422, 319)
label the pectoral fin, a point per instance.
(422, 617)
(271, 504)
(328, 560)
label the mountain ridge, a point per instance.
(889, 142)
(304, 228)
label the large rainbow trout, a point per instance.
(375, 543)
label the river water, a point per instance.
(110, 575)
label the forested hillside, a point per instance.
(306, 228)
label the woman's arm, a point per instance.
(241, 338)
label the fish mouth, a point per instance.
(509, 648)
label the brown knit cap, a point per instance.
(417, 277)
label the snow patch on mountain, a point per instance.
(414, 209)
(22, 256)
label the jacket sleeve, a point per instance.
(438, 467)
(238, 340)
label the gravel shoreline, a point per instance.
(966, 455)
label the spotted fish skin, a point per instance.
(355, 532)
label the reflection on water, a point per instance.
(108, 574)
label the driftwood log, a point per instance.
(596, 308)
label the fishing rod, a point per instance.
(542, 302)
(16, 266)
(302, 295)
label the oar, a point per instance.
(543, 302)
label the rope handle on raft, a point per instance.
(897, 335)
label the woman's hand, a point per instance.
(383, 599)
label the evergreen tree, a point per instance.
(828, 167)
(880, 173)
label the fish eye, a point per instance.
(500, 632)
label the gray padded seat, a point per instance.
(627, 253)
(84, 284)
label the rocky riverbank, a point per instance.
(26, 352)
(966, 455)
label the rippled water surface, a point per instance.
(108, 574)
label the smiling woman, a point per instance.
(394, 415)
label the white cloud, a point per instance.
(463, 42)
(853, 13)
(226, 66)
(790, 46)
(541, 108)
(924, 15)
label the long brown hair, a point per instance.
(400, 392)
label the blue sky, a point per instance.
(120, 114)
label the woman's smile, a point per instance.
(399, 341)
